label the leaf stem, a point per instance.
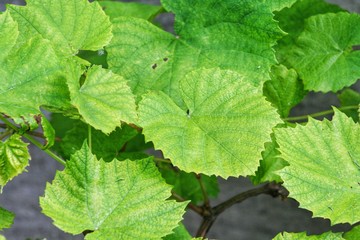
(33, 141)
(318, 114)
(203, 190)
(6, 133)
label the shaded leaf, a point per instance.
(324, 171)
(115, 200)
(14, 157)
(133, 9)
(187, 185)
(301, 236)
(179, 232)
(323, 56)
(103, 100)
(208, 36)
(292, 21)
(6, 219)
(353, 234)
(70, 24)
(349, 97)
(221, 133)
(284, 90)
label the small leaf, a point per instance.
(179, 233)
(349, 97)
(221, 133)
(133, 9)
(70, 24)
(6, 219)
(115, 200)
(284, 90)
(269, 164)
(14, 157)
(324, 171)
(323, 56)
(187, 185)
(301, 236)
(104, 99)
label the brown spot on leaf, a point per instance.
(165, 59)
(154, 66)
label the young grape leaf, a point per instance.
(324, 56)
(302, 235)
(6, 219)
(114, 200)
(324, 171)
(103, 100)
(14, 157)
(231, 35)
(179, 232)
(187, 185)
(8, 34)
(222, 132)
(349, 97)
(269, 164)
(104, 146)
(292, 21)
(133, 9)
(284, 90)
(353, 234)
(70, 24)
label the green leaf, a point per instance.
(70, 24)
(14, 157)
(301, 236)
(284, 90)
(6, 219)
(292, 21)
(98, 57)
(103, 100)
(2, 237)
(269, 164)
(353, 234)
(202, 139)
(277, 5)
(121, 9)
(187, 185)
(48, 132)
(324, 171)
(32, 76)
(115, 200)
(225, 34)
(104, 146)
(179, 233)
(8, 34)
(349, 97)
(324, 56)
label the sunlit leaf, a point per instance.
(303, 235)
(6, 219)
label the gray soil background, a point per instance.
(257, 218)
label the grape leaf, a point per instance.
(324, 56)
(104, 146)
(132, 9)
(2, 237)
(324, 171)
(301, 236)
(103, 100)
(292, 21)
(14, 157)
(277, 5)
(115, 200)
(269, 164)
(284, 90)
(8, 34)
(353, 234)
(6, 219)
(70, 24)
(349, 97)
(187, 185)
(223, 131)
(226, 34)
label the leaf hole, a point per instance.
(166, 59)
(154, 66)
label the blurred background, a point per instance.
(257, 218)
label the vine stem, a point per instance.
(203, 190)
(33, 141)
(318, 114)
